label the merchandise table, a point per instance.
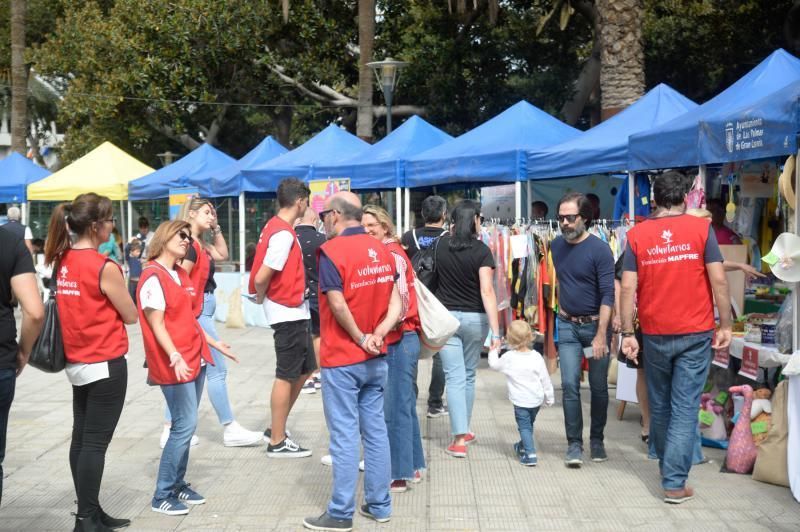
(768, 356)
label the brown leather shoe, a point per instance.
(678, 496)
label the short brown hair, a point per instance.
(519, 335)
(164, 232)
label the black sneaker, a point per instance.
(287, 449)
(364, 510)
(574, 456)
(326, 522)
(437, 411)
(598, 451)
(268, 434)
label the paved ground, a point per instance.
(247, 491)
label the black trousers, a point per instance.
(8, 380)
(96, 408)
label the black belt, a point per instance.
(578, 319)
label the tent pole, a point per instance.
(122, 221)
(241, 237)
(407, 225)
(518, 199)
(130, 220)
(23, 207)
(230, 224)
(398, 196)
(796, 289)
(529, 198)
(631, 196)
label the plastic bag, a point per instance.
(235, 312)
(783, 331)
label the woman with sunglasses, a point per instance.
(201, 216)
(93, 307)
(176, 349)
(465, 268)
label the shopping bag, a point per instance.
(771, 462)
(438, 325)
(235, 311)
(48, 350)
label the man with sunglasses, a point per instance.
(585, 271)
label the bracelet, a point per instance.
(627, 334)
(173, 354)
(363, 339)
(496, 337)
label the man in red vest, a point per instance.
(359, 304)
(674, 265)
(278, 280)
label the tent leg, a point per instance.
(230, 222)
(23, 207)
(529, 191)
(518, 200)
(398, 195)
(407, 211)
(122, 220)
(241, 237)
(130, 220)
(631, 196)
(796, 288)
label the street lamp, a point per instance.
(387, 72)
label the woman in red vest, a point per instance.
(199, 264)
(176, 348)
(400, 400)
(93, 307)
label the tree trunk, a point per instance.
(622, 59)
(282, 125)
(366, 41)
(19, 78)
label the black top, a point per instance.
(310, 240)
(585, 273)
(15, 228)
(15, 259)
(459, 283)
(211, 285)
(426, 236)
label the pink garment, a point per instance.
(726, 236)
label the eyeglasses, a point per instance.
(568, 217)
(113, 220)
(325, 213)
(183, 236)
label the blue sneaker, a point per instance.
(519, 450)
(169, 506)
(528, 460)
(574, 456)
(187, 495)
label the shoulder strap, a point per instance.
(416, 242)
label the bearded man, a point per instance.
(585, 271)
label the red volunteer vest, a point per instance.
(367, 271)
(180, 322)
(199, 276)
(411, 321)
(674, 292)
(91, 328)
(288, 286)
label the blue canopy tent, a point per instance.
(381, 166)
(675, 143)
(492, 153)
(604, 148)
(16, 173)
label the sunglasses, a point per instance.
(325, 213)
(568, 217)
(113, 220)
(184, 236)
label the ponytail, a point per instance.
(77, 216)
(57, 234)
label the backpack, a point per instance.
(424, 263)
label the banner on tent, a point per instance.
(325, 188)
(179, 196)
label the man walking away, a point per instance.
(674, 265)
(359, 305)
(18, 229)
(280, 285)
(585, 270)
(434, 212)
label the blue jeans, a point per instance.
(460, 357)
(182, 400)
(676, 368)
(572, 339)
(400, 408)
(216, 374)
(352, 398)
(526, 417)
(8, 381)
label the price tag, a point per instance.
(721, 398)
(759, 427)
(645, 200)
(721, 358)
(749, 363)
(706, 418)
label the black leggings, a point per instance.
(96, 408)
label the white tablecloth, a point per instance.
(226, 284)
(768, 356)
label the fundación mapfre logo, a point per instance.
(666, 235)
(729, 136)
(64, 271)
(372, 254)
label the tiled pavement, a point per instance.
(247, 491)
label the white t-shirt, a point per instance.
(152, 295)
(276, 256)
(28, 233)
(527, 377)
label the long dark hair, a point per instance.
(463, 224)
(76, 216)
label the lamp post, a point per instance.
(387, 72)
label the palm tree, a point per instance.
(366, 41)
(622, 54)
(19, 78)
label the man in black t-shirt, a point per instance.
(434, 211)
(17, 281)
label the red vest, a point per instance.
(674, 292)
(91, 327)
(288, 286)
(199, 276)
(411, 321)
(367, 271)
(181, 324)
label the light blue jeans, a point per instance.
(400, 408)
(216, 374)
(352, 399)
(460, 357)
(182, 400)
(676, 367)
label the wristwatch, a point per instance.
(627, 334)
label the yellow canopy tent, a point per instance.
(105, 170)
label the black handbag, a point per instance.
(48, 351)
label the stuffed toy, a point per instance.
(761, 415)
(715, 430)
(742, 450)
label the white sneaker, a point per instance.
(237, 436)
(328, 461)
(165, 436)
